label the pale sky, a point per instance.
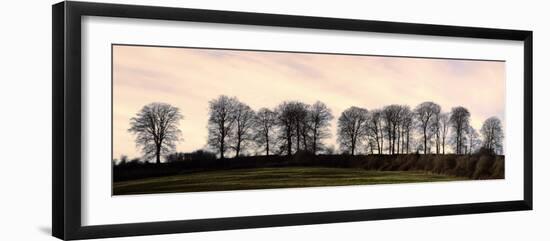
(189, 78)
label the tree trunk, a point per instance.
(267, 144)
(222, 146)
(389, 140)
(408, 137)
(238, 148)
(158, 154)
(458, 141)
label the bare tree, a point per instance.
(460, 120)
(221, 122)
(392, 115)
(493, 135)
(397, 129)
(374, 129)
(302, 128)
(388, 116)
(244, 122)
(295, 128)
(425, 113)
(285, 121)
(351, 127)
(265, 123)
(407, 121)
(402, 122)
(319, 118)
(444, 124)
(156, 129)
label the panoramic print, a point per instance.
(198, 119)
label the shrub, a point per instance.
(482, 167)
(476, 166)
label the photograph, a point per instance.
(193, 119)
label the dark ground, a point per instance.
(265, 178)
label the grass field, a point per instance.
(264, 178)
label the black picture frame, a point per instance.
(66, 127)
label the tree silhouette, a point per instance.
(392, 116)
(300, 113)
(401, 122)
(493, 135)
(352, 127)
(407, 121)
(221, 122)
(389, 116)
(156, 129)
(460, 120)
(265, 123)
(425, 113)
(319, 118)
(374, 129)
(285, 120)
(244, 122)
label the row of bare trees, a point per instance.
(395, 125)
(294, 126)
